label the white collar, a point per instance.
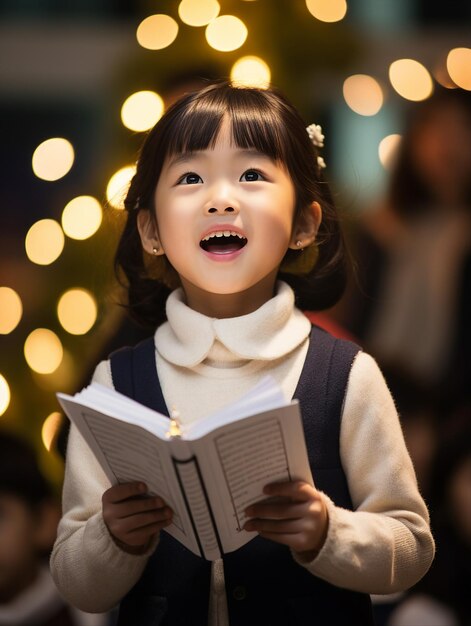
(270, 332)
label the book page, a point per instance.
(239, 459)
(130, 453)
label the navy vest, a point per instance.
(264, 585)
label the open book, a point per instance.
(208, 472)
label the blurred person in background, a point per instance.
(29, 515)
(442, 597)
(416, 252)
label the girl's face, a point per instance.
(224, 218)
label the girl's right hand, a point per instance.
(132, 518)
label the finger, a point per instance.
(117, 493)
(141, 536)
(297, 491)
(123, 527)
(139, 505)
(276, 511)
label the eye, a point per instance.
(251, 176)
(190, 178)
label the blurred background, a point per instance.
(390, 82)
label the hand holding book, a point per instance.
(208, 473)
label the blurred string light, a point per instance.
(251, 71)
(43, 351)
(142, 110)
(53, 158)
(198, 12)
(327, 10)
(387, 150)
(410, 79)
(50, 429)
(458, 63)
(81, 217)
(77, 311)
(226, 33)
(157, 32)
(118, 186)
(44, 242)
(4, 395)
(442, 76)
(363, 94)
(11, 310)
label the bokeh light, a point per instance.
(4, 395)
(458, 63)
(327, 10)
(441, 75)
(44, 242)
(77, 311)
(251, 71)
(387, 150)
(43, 351)
(11, 310)
(363, 94)
(118, 186)
(142, 110)
(410, 79)
(226, 33)
(50, 429)
(81, 217)
(198, 12)
(53, 158)
(157, 31)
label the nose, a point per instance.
(221, 199)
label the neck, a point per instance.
(222, 306)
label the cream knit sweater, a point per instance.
(385, 545)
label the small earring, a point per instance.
(156, 249)
(299, 243)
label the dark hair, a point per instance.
(261, 119)
(20, 475)
(408, 193)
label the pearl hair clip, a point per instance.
(315, 135)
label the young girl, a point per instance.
(230, 214)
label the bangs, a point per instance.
(255, 123)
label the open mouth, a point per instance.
(223, 242)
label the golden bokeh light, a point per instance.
(410, 79)
(53, 158)
(11, 310)
(44, 242)
(142, 110)
(157, 31)
(251, 71)
(387, 150)
(4, 395)
(81, 217)
(441, 75)
(198, 12)
(50, 429)
(77, 311)
(43, 351)
(226, 33)
(363, 94)
(458, 63)
(118, 186)
(327, 10)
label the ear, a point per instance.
(306, 226)
(147, 227)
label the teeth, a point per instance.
(223, 233)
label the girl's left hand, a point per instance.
(299, 521)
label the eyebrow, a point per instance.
(184, 157)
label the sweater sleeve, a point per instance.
(385, 544)
(90, 570)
